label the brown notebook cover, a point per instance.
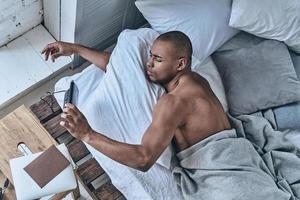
(47, 166)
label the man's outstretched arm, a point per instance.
(166, 119)
(57, 49)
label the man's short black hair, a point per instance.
(181, 42)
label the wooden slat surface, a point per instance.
(107, 192)
(89, 171)
(65, 138)
(42, 109)
(77, 150)
(54, 128)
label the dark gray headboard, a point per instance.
(99, 22)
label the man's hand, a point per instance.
(75, 122)
(58, 49)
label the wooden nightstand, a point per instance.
(21, 126)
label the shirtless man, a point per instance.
(188, 113)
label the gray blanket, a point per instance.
(251, 161)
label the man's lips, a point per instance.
(149, 73)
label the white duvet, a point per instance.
(119, 105)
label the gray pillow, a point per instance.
(288, 116)
(240, 41)
(296, 61)
(256, 76)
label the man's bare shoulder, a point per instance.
(169, 101)
(169, 107)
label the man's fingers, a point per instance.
(75, 109)
(69, 126)
(44, 49)
(51, 49)
(47, 54)
(65, 124)
(48, 46)
(54, 56)
(69, 105)
(51, 52)
(70, 111)
(67, 117)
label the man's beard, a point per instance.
(162, 82)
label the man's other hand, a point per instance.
(57, 49)
(75, 122)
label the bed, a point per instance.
(253, 72)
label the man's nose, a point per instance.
(150, 63)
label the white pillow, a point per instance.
(204, 21)
(271, 19)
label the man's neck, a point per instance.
(173, 84)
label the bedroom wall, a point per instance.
(95, 23)
(99, 22)
(17, 17)
(52, 15)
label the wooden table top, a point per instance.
(17, 127)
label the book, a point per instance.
(47, 166)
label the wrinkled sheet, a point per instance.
(157, 183)
(119, 105)
(251, 161)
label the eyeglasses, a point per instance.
(49, 99)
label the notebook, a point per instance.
(27, 188)
(47, 166)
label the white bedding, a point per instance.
(204, 21)
(119, 104)
(272, 19)
(157, 182)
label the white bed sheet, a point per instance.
(119, 104)
(156, 183)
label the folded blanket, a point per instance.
(251, 162)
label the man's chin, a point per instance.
(152, 80)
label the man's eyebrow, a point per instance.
(155, 55)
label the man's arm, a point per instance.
(57, 49)
(167, 117)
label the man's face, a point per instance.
(163, 62)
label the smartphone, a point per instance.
(69, 94)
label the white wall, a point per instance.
(17, 17)
(68, 20)
(99, 22)
(52, 17)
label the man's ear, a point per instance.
(182, 64)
